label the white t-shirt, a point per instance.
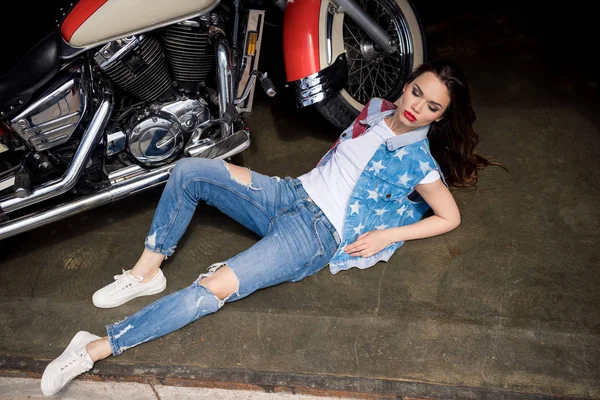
(331, 185)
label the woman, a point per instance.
(364, 199)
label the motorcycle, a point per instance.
(103, 107)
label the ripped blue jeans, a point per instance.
(297, 241)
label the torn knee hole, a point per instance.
(239, 174)
(223, 285)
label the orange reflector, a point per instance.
(252, 38)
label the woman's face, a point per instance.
(424, 101)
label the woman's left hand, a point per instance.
(368, 244)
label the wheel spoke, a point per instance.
(379, 13)
(369, 80)
(395, 56)
(373, 83)
(353, 48)
(384, 70)
(355, 28)
(388, 65)
(364, 99)
(383, 79)
(379, 92)
(354, 36)
(368, 77)
(351, 67)
(360, 81)
(359, 69)
(354, 93)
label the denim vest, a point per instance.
(384, 195)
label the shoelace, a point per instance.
(119, 285)
(126, 274)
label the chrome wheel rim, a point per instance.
(372, 72)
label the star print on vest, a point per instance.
(384, 196)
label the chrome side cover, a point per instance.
(158, 139)
(51, 120)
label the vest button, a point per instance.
(387, 196)
(343, 135)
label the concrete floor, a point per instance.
(29, 388)
(505, 306)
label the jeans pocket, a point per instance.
(323, 237)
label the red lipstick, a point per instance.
(409, 116)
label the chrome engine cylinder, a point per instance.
(136, 64)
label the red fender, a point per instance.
(301, 38)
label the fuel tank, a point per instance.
(93, 22)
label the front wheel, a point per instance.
(372, 72)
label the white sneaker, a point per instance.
(127, 287)
(72, 362)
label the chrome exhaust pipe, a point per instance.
(90, 139)
(224, 79)
(122, 189)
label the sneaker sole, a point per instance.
(125, 300)
(79, 338)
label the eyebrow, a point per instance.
(431, 101)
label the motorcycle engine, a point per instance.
(156, 135)
(141, 66)
(150, 67)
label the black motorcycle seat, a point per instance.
(28, 73)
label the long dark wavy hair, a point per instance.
(452, 140)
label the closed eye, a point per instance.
(417, 92)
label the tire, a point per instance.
(403, 23)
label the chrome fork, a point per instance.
(362, 19)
